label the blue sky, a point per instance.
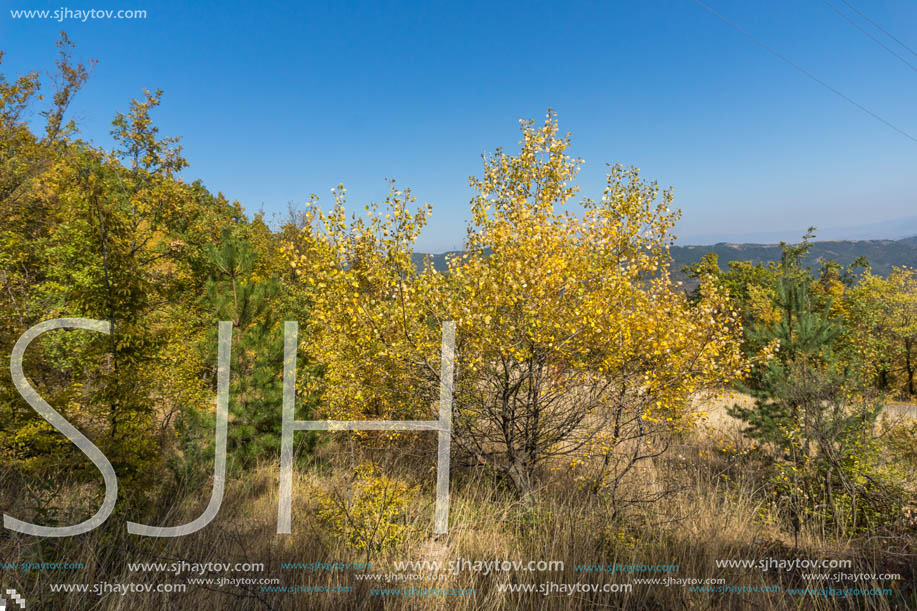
(277, 100)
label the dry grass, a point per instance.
(717, 513)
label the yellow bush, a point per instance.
(374, 515)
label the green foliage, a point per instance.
(813, 409)
(235, 292)
(119, 236)
(883, 255)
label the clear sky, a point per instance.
(276, 100)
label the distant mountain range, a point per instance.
(894, 229)
(883, 255)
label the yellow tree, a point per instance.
(573, 338)
(903, 319)
(369, 328)
(570, 331)
(887, 307)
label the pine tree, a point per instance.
(237, 292)
(810, 407)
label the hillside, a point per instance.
(883, 255)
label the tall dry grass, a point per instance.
(717, 511)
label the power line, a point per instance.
(879, 27)
(803, 70)
(871, 37)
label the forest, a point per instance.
(603, 411)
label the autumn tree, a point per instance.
(371, 328)
(568, 324)
(887, 310)
(109, 235)
(573, 339)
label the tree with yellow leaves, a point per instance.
(887, 307)
(569, 326)
(369, 327)
(573, 339)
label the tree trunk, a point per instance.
(522, 480)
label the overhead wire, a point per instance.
(879, 27)
(787, 60)
(871, 37)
